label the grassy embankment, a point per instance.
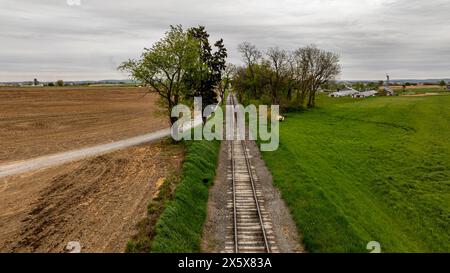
(179, 229)
(377, 169)
(176, 215)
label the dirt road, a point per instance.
(60, 158)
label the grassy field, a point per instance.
(354, 171)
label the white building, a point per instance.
(347, 91)
(365, 94)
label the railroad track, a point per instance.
(250, 228)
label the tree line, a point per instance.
(184, 64)
(285, 78)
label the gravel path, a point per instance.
(61, 158)
(64, 157)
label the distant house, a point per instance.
(448, 87)
(365, 94)
(347, 91)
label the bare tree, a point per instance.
(317, 67)
(228, 74)
(279, 62)
(250, 55)
(300, 76)
(291, 76)
(281, 74)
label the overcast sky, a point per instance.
(87, 39)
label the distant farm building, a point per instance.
(350, 92)
(365, 94)
(347, 91)
(448, 87)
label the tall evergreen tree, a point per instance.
(206, 76)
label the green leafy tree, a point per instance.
(442, 84)
(164, 67)
(59, 83)
(359, 86)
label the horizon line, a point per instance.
(340, 80)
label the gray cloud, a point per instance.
(50, 39)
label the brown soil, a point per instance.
(41, 121)
(412, 87)
(97, 202)
(421, 95)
